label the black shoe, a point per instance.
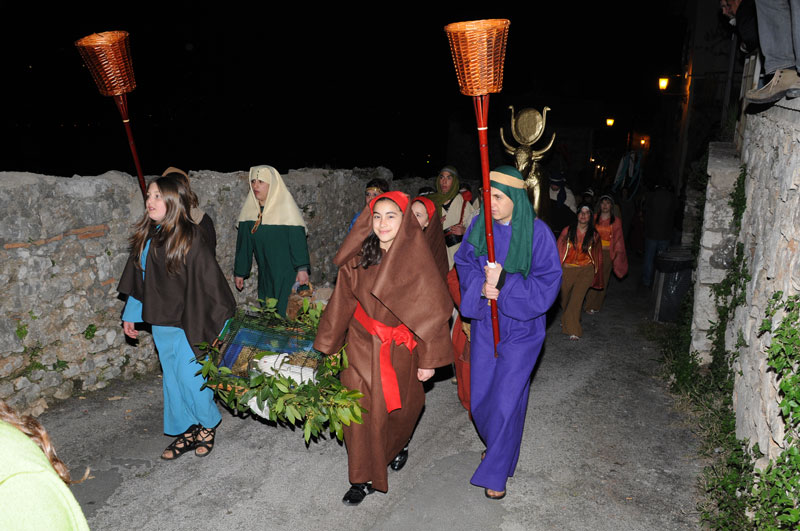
(357, 493)
(400, 461)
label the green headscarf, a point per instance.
(440, 199)
(518, 259)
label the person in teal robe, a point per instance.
(271, 229)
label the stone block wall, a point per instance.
(771, 237)
(63, 245)
(717, 242)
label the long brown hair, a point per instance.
(194, 202)
(174, 232)
(612, 216)
(36, 432)
(588, 237)
(370, 251)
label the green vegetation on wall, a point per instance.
(735, 497)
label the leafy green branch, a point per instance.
(312, 404)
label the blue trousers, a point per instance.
(651, 249)
(779, 33)
(185, 402)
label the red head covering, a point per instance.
(399, 285)
(398, 197)
(429, 206)
(363, 227)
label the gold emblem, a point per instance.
(527, 128)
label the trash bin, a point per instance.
(672, 282)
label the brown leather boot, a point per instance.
(784, 80)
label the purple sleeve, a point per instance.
(527, 298)
(471, 278)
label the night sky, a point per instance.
(225, 87)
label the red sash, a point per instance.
(400, 335)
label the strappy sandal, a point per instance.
(202, 440)
(185, 442)
(494, 494)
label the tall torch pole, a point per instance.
(479, 49)
(108, 57)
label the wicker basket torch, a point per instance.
(479, 49)
(108, 57)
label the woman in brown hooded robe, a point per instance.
(432, 228)
(391, 307)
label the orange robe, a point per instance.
(460, 343)
(595, 253)
(612, 233)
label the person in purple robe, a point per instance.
(525, 282)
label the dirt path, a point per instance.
(603, 450)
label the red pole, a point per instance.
(482, 115)
(122, 105)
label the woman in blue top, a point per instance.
(174, 283)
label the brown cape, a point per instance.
(405, 288)
(196, 299)
(209, 232)
(435, 237)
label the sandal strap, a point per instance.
(181, 444)
(182, 439)
(205, 433)
(208, 444)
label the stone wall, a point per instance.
(717, 242)
(63, 244)
(770, 234)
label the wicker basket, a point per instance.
(296, 297)
(108, 57)
(479, 49)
